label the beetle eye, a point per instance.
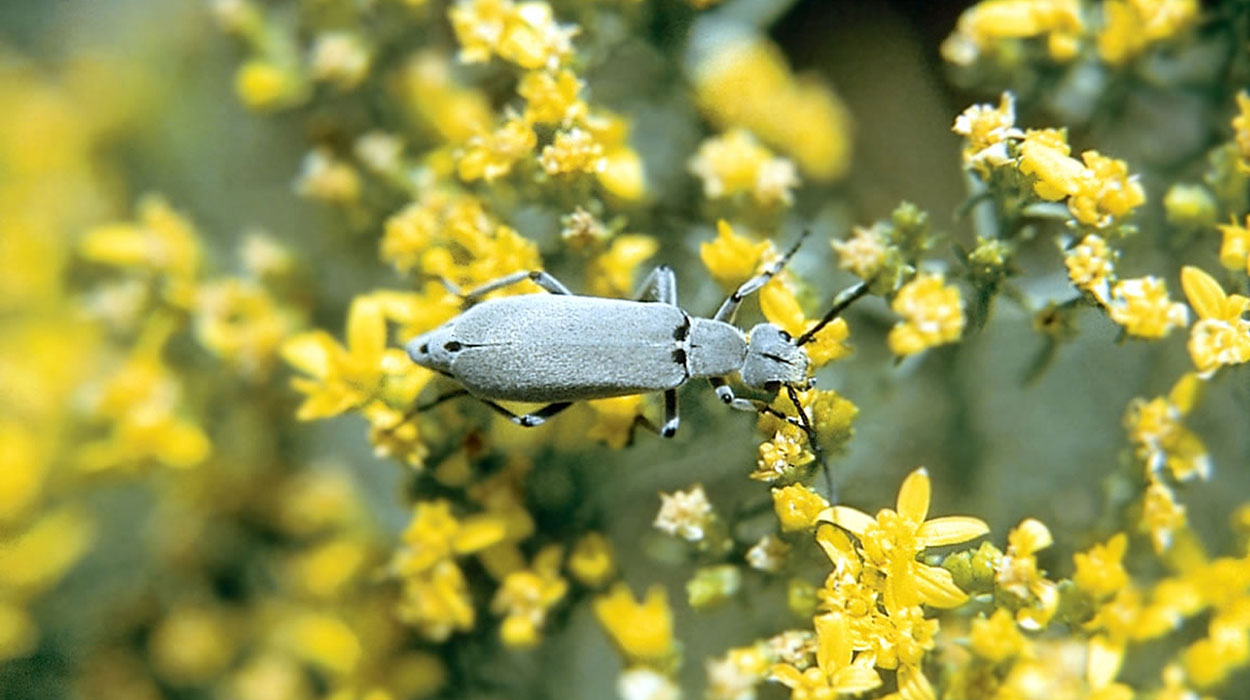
(424, 349)
(452, 346)
(785, 336)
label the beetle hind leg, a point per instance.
(538, 277)
(529, 420)
(659, 285)
(671, 418)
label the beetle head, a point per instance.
(773, 359)
(435, 349)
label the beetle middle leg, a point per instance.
(539, 277)
(660, 285)
(529, 420)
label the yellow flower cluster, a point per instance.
(1220, 336)
(987, 27)
(1125, 30)
(933, 314)
(745, 82)
(736, 164)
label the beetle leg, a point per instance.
(730, 307)
(660, 285)
(529, 420)
(671, 418)
(539, 277)
(726, 395)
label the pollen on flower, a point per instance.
(1143, 308)
(933, 314)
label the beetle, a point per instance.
(560, 348)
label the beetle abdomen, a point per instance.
(568, 348)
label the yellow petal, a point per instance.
(833, 642)
(854, 521)
(855, 679)
(952, 529)
(1185, 393)
(366, 330)
(477, 533)
(310, 353)
(1103, 661)
(913, 496)
(1204, 293)
(912, 685)
(786, 674)
(937, 587)
(781, 308)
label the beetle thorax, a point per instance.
(773, 359)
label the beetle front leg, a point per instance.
(539, 277)
(529, 420)
(726, 395)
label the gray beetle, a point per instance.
(560, 348)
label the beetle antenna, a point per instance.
(843, 300)
(815, 444)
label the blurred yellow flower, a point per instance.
(489, 156)
(996, 638)
(591, 563)
(1131, 26)
(1044, 154)
(525, 34)
(797, 507)
(552, 98)
(611, 273)
(643, 631)
(572, 151)
(1107, 192)
(1160, 437)
(987, 130)
(1017, 573)
(1100, 570)
(986, 25)
(429, 91)
(524, 598)
(1235, 246)
(734, 163)
(615, 420)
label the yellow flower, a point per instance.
(1160, 437)
(744, 81)
(1107, 192)
(1090, 267)
(591, 562)
(732, 259)
(865, 253)
(524, 598)
(797, 507)
(525, 34)
(781, 308)
(343, 378)
(611, 273)
(436, 601)
(685, 514)
(321, 639)
(996, 638)
(341, 58)
(241, 323)
(34, 558)
(1044, 154)
(161, 240)
(191, 645)
(428, 90)
(1017, 573)
(1100, 570)
(987, 130)
(573, 150)
(326, 178)
(783, 455)
(1220, 336)
(1241, 127)
(1235, 247)
(620, 171)
(1142, 307)
(1161, 515)
(435, 535)
(491, 156)
(933, 314)
(986, 25)
(552, 98)
(19, 634)
(835, 673)
(263, 85)
(734, 163)
(892, 541)
(1131, 26)
(642, 631)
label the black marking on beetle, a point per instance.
(452, 346)
(679, 356)
(682, 332)
(424, 349)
